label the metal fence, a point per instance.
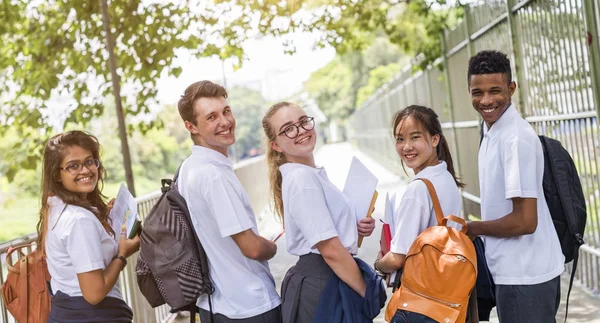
(129, 290)
(553, 45)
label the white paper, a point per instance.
(359, 187)
(124, 211)
(392, 222)
(388, 215)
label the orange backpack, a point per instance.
(25, 291)
(439, 272)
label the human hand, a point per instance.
(366, 226)
(128, 247)
(380, 255)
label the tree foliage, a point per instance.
(336, 86)
(52, 53)
(55, 49)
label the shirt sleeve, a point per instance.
(412, 218)
(520, 169)
(308, 209)
(84, 245)
(227, 207)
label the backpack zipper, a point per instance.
(452, 305)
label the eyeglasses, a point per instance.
(293, 130)
(75, 167)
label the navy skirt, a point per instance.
(68, 309)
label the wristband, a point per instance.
(122, 259)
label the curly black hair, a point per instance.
(489, 62)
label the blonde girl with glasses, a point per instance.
(319, 220)
(84, 253)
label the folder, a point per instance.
(371, 209)
(385, 241)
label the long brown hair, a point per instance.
(54, 152)
(429, 120)
(275, 158)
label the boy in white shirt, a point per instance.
(522, 248)
(222, 215)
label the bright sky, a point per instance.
(279, 74)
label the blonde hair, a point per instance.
(275, 158)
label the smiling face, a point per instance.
(214, 125)
(293, 121)
(491, 95)
(84, 180)
(415, 146)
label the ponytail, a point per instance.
(274, 159)
(443, 153)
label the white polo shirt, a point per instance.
(415, 213)
(315, 210)
(511, 164)
(76, 243)
(219, 207)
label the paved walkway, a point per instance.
(336, 159)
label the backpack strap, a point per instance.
(573, 270)
(439, 214)
(23, 290)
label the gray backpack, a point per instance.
(172, 266)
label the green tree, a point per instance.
(336, 86)
(248, 107)
(51, 49)
(56, 48)
(377, 78)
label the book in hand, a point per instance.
(124, 213)
(387, 233)
(388, 228)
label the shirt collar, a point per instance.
(505, 119)
(432, 171)
(210, 155)
(288, 167)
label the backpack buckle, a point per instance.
(165, 184)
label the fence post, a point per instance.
(449, 100)
(517, 54)
(590, 9)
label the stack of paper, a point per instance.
(360, 188)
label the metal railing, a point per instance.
(553, 45)
(131, 294)
(247, 172)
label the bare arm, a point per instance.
(390, 262)
(521, 221)
(96, 284)
(254, 246)
(343, 264)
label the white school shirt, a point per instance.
(315, 210)
(511, 164)
(415, 213)
(76, 243)
(219, 207)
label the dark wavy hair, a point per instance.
(429, 120)
(489, 62)
(54, 152)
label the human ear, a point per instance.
(275, 146)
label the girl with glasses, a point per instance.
(83, 252)
(319, 220)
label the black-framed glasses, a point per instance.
(292, 131)
(75, 167)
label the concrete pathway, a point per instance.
(583, 307)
